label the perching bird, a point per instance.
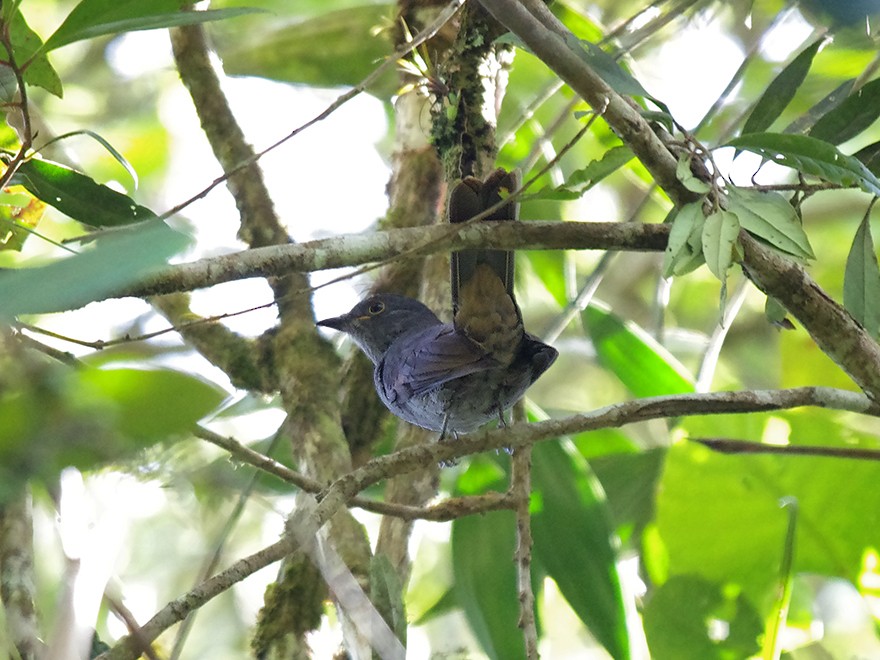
(454, 377)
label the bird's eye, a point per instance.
(377, 308)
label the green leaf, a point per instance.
(769, 215)
(608, 68)
(857, 112)
(719, 514)
(78, 195)
(115, 260)
(575, 543)
(630, 484)
(27, 52)
(720, 234)
(777, 314)
(772, 647)
(781, 91)
(485, 581)
(684, 174)
(678, 614)
(810, 156)
(645, 367)
(580, 181)
(834, 98)
(870, 157)
(861, 280)
(104, 143)
(684, 249)
(95, 18)
(331, 49)
(386, 594)
(138, 396)
(55, 417)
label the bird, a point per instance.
(454, 377)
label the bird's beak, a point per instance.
(337, 323)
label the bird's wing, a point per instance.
(429, 359)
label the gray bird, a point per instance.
(454, 377)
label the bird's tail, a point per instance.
(483, 304)
(468, 198)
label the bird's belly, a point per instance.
(465, 404)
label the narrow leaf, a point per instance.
(112, 262)
(78, 195)
(645, 367)
(810, 156)
(575, 543)
(834, 98)
(580, 181)
(861, 279)
(720, 234)
(768, 215)
(781, 91)
(857, 112)
(870, 157)
(772, 649)
(683, 254)
(94, 18)
(104, 143)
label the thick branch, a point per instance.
(832, 328)
(357, 249)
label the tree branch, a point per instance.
(357, 249)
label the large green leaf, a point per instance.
(78, 195)
(151, 405)
(485, 581)
(679, 614)
(643, 365)
(115, 260)
(55, 417)
(781, 91)
(95, 18)
(576, 545)
(810, 156)
(861, 282)
(331, 49)
(857, 112)
(720, 516)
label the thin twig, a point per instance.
(732, 446)
(520, 491)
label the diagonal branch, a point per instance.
(834, 331)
